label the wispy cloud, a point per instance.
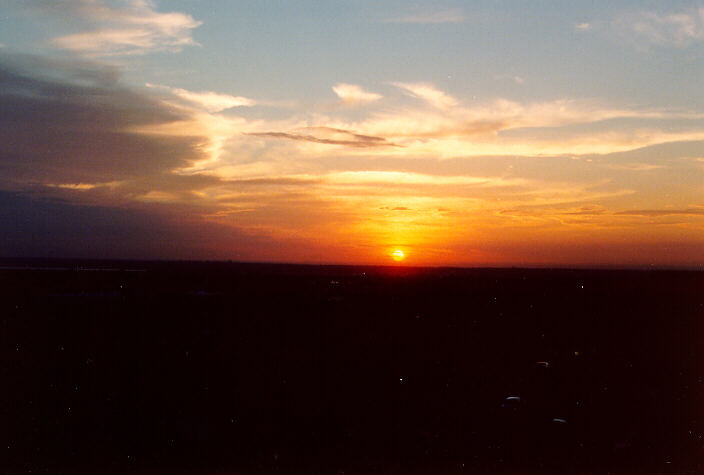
(351, 94)
(502, 126)
(371, 177)
(654, 213)
(329, 136)
(428, 93)
(497, 127)
(636, 167)
(592, 213)
(134, 28)
(84, 186)
(583, 26)
(677, 28)
(431, 17)
(301, 180)
(208, 100)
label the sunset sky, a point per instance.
(460, 133)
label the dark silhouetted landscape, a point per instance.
(253, 368)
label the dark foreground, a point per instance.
(264, 369)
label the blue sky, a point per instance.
(298, 49)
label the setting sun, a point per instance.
(398, 255)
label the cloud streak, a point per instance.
(428, 93)
(654, 213)
(209, 101)
(330, 136)
(351, 94)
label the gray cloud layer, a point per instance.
(71, 126)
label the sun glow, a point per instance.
(398, 255)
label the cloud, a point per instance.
(278, 181)
(431, 17)
(428, 93)
(636, 167)
(653, 213)
(599, 211)
(501, 127)
(587, 210)
(213, 101)
(60, 125)
(396, 208)
(209, 100)
(45, 227)
(583, 26)
(330, 136)
(84, 186)
(72, 131)
(134, 28)
(676, 28)
(351, 94)
(399, 178)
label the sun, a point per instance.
(398, 255)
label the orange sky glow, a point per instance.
(518, 153)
